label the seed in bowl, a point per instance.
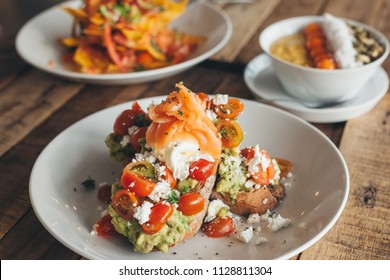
(329, 44)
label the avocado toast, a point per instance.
(163, 193)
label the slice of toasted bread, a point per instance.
(258, 200)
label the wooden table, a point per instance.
(36, 106)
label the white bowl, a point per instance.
(318, 86)
(37, 43)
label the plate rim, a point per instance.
(286, 255)
(124, 78)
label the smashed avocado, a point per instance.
(172, 232)
(231, 172)
(117, 151)
(186, 185)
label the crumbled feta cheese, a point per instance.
(94, 231)
(161, 191)
(259, 158)
(211, 115)
(253, 218)
(250, 184)
(142, 212)
(125, 141)
(213, 209)
(245, 235)
(220, 99)
(275, 221)
(132, 129)
(160, 171)
(145, 156)
(179, 156)
(261, 240)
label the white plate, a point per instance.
(313, 204)
(37, 43)
(262, 81)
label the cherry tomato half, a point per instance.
(104, 227)
(191, 203)
(138, 134)
(219, 227)
(231, 133)
(125, 120)
(261, 176)
(138, 184)
(230, 110)
(104, 193)
(201, 169)
(168, 176)
(160, 213)
(124, 203)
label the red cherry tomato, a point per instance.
(125, 120)
(201, 169)
(230, 110)
(138, 184)
(124, 203)
(231, 133)
(104, 193)
(191, 203)
(138, 134)
(261, 176)
(168, 176)
(219, 227)
(160, 213)
(104, 227)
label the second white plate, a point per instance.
(37, 43)
(262, 81)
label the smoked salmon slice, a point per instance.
(182, 117)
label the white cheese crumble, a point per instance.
(213, 209)
(211, 115)
(220, 99)
(160, 171)
(179, 156)
(142, 212)
(250, 184)
(253, 218)
(132, 129)
(145, 156)
(261, 240)
(258, 159)
(245, 235)
(161, 191)
(275, 221)
(125, 141)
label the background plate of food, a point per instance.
(314, 200)
(118, 44)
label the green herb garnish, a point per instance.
(89, 184)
